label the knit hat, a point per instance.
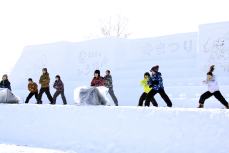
(57, 76)
(5, 75)
(108, 71)
(212, 68)
(155, 68)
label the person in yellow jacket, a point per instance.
(146, 87)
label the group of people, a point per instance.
(153, 84)
(104, 81)
(44, 82)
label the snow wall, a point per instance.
(214, 46)
(80, 129)
(181, 61)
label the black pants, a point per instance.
(217, 95)
(152, 93)
(56, 94)
(111, 92)
(142, 98)
(47, 92)
(31, 94)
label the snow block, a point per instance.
(7, 97)
(91, 96)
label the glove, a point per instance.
(155, 82)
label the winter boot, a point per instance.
(201, 106)
(227, 107)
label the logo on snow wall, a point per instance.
(89, 60)
(161, 48)
(217, 51)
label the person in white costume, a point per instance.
(213, 90)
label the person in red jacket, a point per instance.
(97, 80)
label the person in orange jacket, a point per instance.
(32, 87)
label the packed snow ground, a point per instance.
(23, 149)
(108, 129)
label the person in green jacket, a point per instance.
(44, 81)
(146, 87)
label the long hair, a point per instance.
(212, 68)
(97, 72)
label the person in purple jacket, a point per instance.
(59, 86)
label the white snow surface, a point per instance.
(24, 149)
(110, 129)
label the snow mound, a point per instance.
(103, 91)
(108, 129)
(7, 97)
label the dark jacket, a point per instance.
(155, 81)
(97, 81)
(108, 81)
(58, 85)
(32, 87)
(44, 80)
(5, 84)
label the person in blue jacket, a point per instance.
(156, 82)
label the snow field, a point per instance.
(103, 129)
